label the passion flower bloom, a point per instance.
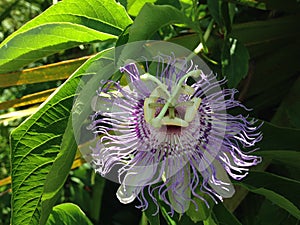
(169, 134)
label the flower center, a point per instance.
(162, 107)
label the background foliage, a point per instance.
(255, 44)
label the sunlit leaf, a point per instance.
(76, 163)
(134, 6)
(64, 25)
(44, 141)
(66, 214)
(153, 17)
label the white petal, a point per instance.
(127, 194)
(136, 178)
(142, 174)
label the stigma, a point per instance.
(164, 107)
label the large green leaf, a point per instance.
(279, 138)
(68, 214)
(153, 17)
(287, 158)
(279, 190)
(288, 114)
(275, 74)
(271, 44)
(64, 25)
(265, 36)
(43, 148)
(58, 172)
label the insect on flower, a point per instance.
(170, 133)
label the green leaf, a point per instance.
(151, 212)
(189, 41)
(288, 158)
(45, 40)
(223, 216)
(269, 213)
(68, 214)
(43, 148)
(235, 59)
(175, 3)
(214, 9)
(278, 200)
(278, 138)
(153, 17)
(209, 221)
(64, 25)
(134, 6)
(288, 113)
(281, 191)
(35, 145)
(271, 44)
(266, 36)
(168, 218)
(201, 214)
(275, 74)
(281, 185)
(58, 173)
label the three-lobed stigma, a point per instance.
(161, 107)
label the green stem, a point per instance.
(144, 220)
(208, 30)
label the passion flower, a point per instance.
(170, 132)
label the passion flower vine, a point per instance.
(169, 133)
